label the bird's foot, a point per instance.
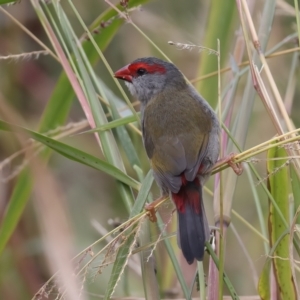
(229, 159)
(151, 208)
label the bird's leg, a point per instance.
(151, 208)
(229, 159)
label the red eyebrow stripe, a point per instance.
(155, 68)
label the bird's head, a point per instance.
(149, 76)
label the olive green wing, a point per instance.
(175, 139)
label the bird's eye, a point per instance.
(141, 71)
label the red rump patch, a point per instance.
(183, 180)
(189, 193)
(153, 68)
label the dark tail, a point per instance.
(193, 230)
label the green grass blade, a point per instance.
(173, 258)
(148, 266)
(264, 288)
(121, 261)
(7, 1)
(54, 115)
(142, 196)
(226, 280)
(279, 185)
(242, 120)
(76, 155)
(110, 13)
(122, 132)
(296, 190)
(121, 258)
(220, 21)
(89, 82)
(264, 281)
(113, 124)
(60, 102)
(150, 282)
(15, 208)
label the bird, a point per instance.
(181, 138)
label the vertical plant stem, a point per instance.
(219, 26)
(201, 277)
(221, 243)
(151, 289)
(291, 85)
(249, 93)
(277, 97)
(101, 55)
(259, 209)
(297, 18)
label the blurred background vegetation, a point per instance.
(90, 199)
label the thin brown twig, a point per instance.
(259, 84)
(245, 63)
(29, 33)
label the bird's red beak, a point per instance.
(124, 73)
